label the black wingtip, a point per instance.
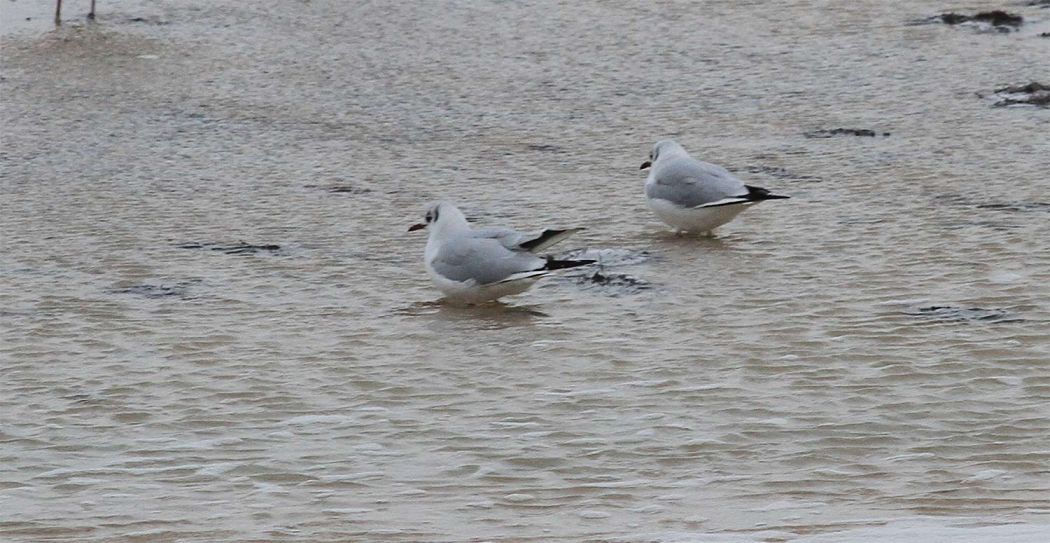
(542, 238)
(554, 264)
(757, 194)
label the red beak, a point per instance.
(415, 227)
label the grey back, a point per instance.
(483, 259)
(687, 182)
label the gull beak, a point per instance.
(415, 227)
(645, 165)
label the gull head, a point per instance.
(662, 148)
(439, 214)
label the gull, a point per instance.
(695, 196)
(474, 266)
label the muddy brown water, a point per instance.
(214, 326)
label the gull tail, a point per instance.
(554, 264)
(757, 194)
(551, 265)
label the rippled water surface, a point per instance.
(215, 327)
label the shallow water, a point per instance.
(872, 351)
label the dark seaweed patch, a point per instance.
(1031, 94)
(1017, 206)
(954, 18)
(999, 17)
(1028, 88)
(830, 133)
(608, 282)
(340, 187)
(616, 284)
(996, 18)
(545, 148)
(346, 189)
(240, 248)
(948, 313)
